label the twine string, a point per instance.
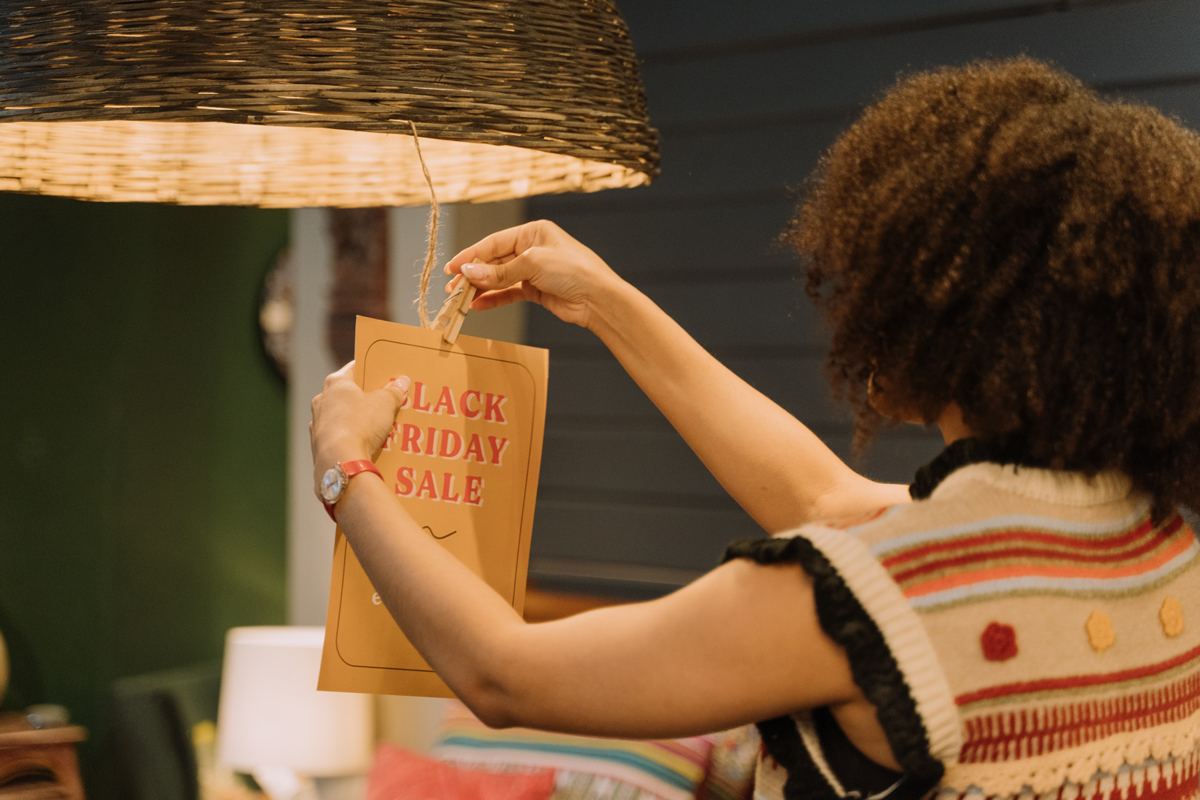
(431, 232)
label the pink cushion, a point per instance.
(399, 774)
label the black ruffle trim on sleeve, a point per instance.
(872, 664)
(782, 742)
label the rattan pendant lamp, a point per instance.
(290, 103)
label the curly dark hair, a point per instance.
(999, 236)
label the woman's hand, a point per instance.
(537, 261)
(349, 424)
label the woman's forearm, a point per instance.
(670, 667)
(777, 469)
(462, 627)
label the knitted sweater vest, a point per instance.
(1023, 633)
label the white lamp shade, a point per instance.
(272, 716)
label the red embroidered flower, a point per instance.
(999, 642)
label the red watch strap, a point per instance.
(352, 468)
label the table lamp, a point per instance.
(273, 723)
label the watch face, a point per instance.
(332, 484)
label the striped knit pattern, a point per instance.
(1065, 626)
(1023, 554)
(588, 768)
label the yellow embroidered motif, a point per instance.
(1170, 614)
(1100, 631)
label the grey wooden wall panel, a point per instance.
(687, 27)
(745, 183)
(657, 462)
(1180, 101)
(594, 387)
(636, 461)
(746, 179)
(732, 161)
(720, 314)
(680, 238)
(1100, 44)
(747, 96)
(684, 537)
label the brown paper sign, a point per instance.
(463, 459)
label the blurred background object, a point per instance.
(298, 743)
(3, 667)
(162, 724)
(37, 755)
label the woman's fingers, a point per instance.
(537, 262)
(345, 372)
(500, 276)
(501, 297)
(397, 388)
(499, 246)
(506, 244)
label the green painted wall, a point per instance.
(143, 440)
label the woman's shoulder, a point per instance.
(992, 497)
(987, 526)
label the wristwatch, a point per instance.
(337, 477)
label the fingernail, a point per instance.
(475, 271)
(402, 382)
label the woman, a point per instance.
(999, 252)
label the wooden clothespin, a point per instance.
(454, 310)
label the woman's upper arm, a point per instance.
(738, 645)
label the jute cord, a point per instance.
(431, 233)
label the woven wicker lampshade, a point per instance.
(303, 103)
